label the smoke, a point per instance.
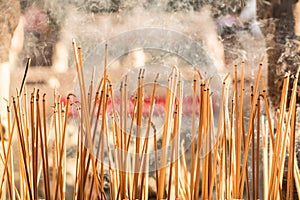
(92, 29)
(92, 22)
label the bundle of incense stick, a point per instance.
(224, 160)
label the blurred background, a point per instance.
(229, 31)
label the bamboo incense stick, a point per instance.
(242, 179)
(25, 75)
(297, 175)
(23, 151)
(84, 110)
(219, 166)
(199, 142)
(292, 109)
(257, 150)
(193, 134)
(237, 133)
(5, 160)
(277, 159)
(10, 135)
(145, 145)
(169, 102)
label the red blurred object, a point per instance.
(159, 108)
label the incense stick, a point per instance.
(219, 167)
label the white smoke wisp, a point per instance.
(92, 29)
